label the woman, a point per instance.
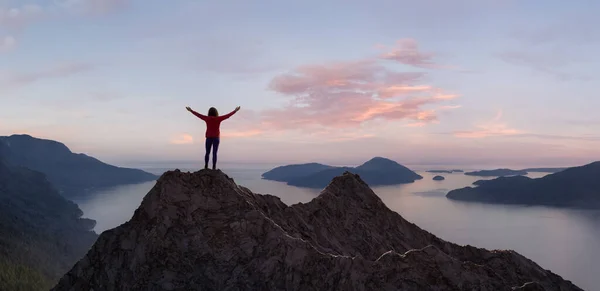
(213, 122)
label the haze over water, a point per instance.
(562, 240)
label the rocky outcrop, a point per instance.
(439, 178)
(202, 231)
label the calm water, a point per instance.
(566, 241)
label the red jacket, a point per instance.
(213, 123)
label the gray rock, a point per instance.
(201, 231)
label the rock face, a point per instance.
(201, 231)
(574, 187)
(72, 174)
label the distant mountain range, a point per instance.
(445, 171)
(376, 172)
(41, 233)
(572, 187)
(72, 174)
(496, 173)
(509, 172)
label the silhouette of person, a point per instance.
(213, 133)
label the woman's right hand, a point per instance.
(188, 108)
(237, 109)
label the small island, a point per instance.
(375, 172)
(444, 171)
(497, 173)
(439, 178)
(577, 187)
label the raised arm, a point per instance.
(203, 117)
(223, 117)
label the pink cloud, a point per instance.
(241, 133)
(347, 94)
(182, 139)
(407, 52)
(490, 129)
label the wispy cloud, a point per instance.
(7, 43)
(551, 63)
(13, 79)
(94, 7)
(16, 18)
(182, 139)
(490, 129)
(497, 128)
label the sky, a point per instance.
(430, 82)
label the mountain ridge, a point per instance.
(71, 173)
(40, 230)
(573, 187)
(201, 230)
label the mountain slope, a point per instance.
(72, 174)
(573, 187)
(40, 231)
(201, 231)
(376, 172)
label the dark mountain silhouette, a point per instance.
(573, 187)
(439, 178)
(509, 172)
(376, 172)
(42, 234)
(285, 173)
(544, 170)
(202, 231)
(72, 174)
(497, 173)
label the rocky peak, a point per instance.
(202, 231)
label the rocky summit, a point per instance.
(202, 231)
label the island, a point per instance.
(378, 171)
(444, 171)
(497, 173)
(72, 174)
(439, 178)
(577, 187)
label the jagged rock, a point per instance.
(201, 231)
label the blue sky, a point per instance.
(495, 82)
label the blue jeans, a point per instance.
(211, 142)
